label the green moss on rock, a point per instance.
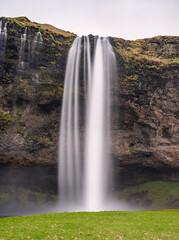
(6, 120)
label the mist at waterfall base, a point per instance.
(85, 168)
(85, 176)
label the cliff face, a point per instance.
(33, 59)
(145, 125)
(144, 100)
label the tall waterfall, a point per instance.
(84, 145)
(70, 169)
(3, 34)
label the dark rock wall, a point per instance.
(144, 102)
(31, 94)
(145, 110)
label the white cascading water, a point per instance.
(84, 154)
(70, 172)
(23, 38)
(3, 33)
(22, 47)
(97, 149)
(31, 46)
(38, 40)
(87, 67)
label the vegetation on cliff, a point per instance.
(33, 59)
(145, 104)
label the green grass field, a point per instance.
(156, 225)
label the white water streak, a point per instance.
(77, 184)
(3, 34)
(94, 135)
(23, 39)
(69, 149)
(87, 67)
(22, 49)
(38, 41)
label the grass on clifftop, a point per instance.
(47, 28)
(156, 225)
(159, 51)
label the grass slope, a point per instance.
(151, 195)
(24, 21)
(154, 225)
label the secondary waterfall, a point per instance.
(84, 145)
(3, 35)
(29, 49)
(38, 41)
(22, 48)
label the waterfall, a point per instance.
(87, 66)
(3, 31)
(84, 145)
(23, 39)
(70, 173)
(38, 40)
(98, 128)
(29, 49)
(22, 48)
(3, 34)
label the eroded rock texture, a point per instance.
(31, 89)
(145, 109)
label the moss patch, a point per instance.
(152, 195)
(6, 120)
(158, 51)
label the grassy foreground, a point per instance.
(156, 225)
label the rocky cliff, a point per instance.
(32, 67)
(145, 118)
(144, 101)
